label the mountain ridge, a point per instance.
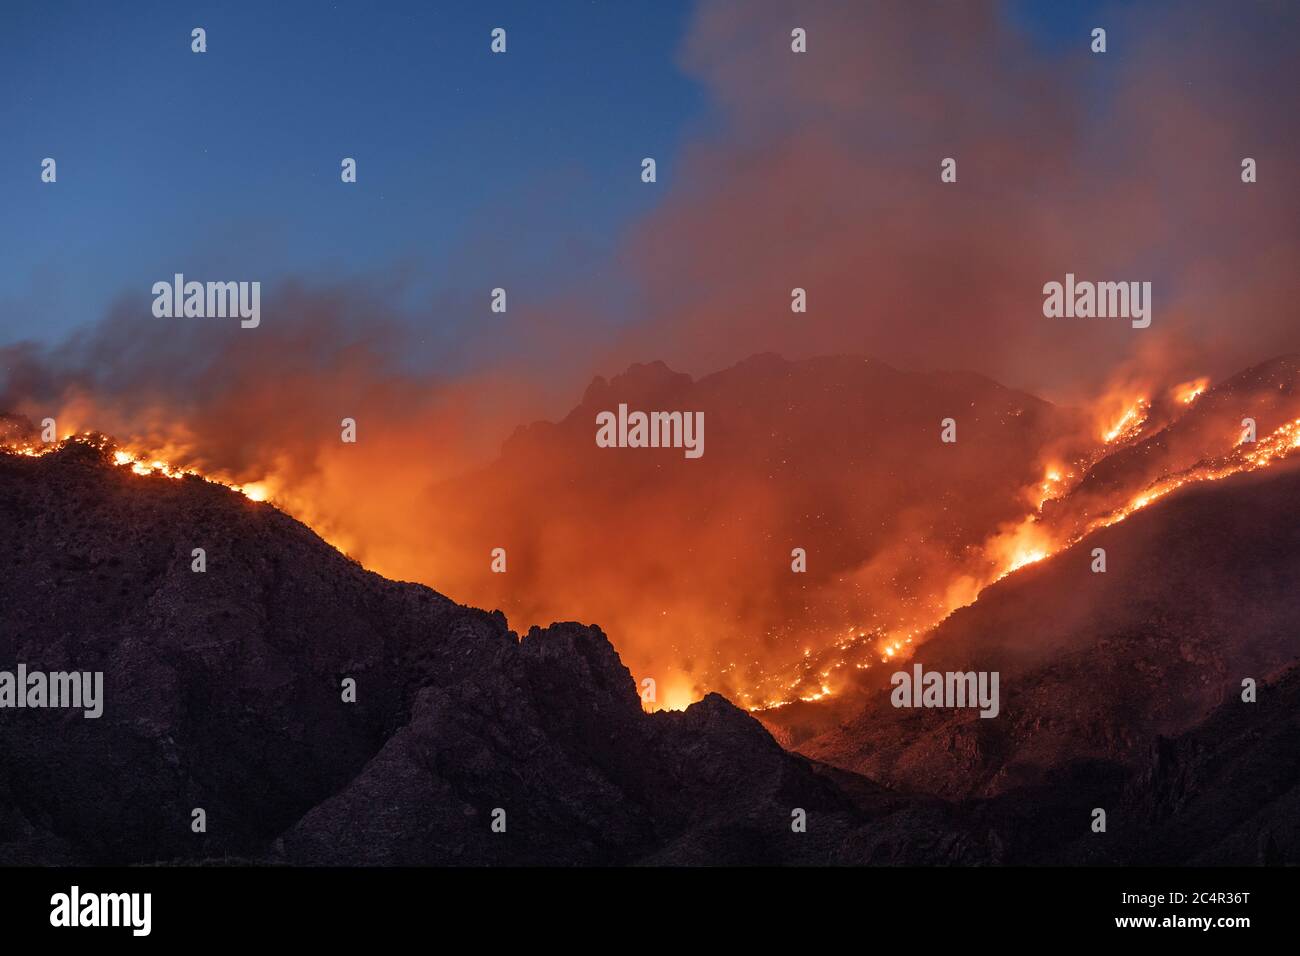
(224, 693)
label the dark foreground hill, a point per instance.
(222, 691)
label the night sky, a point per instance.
(226, 164)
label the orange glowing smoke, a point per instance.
(1188, 392)
(677, 692)
(831, 657)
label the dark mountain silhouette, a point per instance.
(223, 692)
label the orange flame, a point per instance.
(1129, 423)
(1188, 392)
(824, 674)
(139, 462)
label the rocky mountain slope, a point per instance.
(1201, 592)
(223, 692)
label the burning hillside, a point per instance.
(698, 588)
(139, 462)
(1139, 456)
(221, 691)
(1199, 597)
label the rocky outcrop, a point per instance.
(468, 745)
(223, 692)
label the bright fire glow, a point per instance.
(1053, 484)
(829, 661)
(256, 491)
(675, 693)
(1033, 540)
(139, 462)
(1129, 423)
(1188, 392)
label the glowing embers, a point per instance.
(1245, 457)
(1056, 482)
(1026, 557)
(146, 465)
(1018, 545)
(1129, 424)
(826, 671)
(142, 467)
(1188, 392)
(1029, 541)
(140, 463)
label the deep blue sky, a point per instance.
(225, 165)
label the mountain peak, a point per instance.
(639, 383)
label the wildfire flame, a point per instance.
(1129, 423)
(139, 462)
(1243, 458)
(1055, 480)
(1033, 540)
(823, 673)
(1188, 392)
